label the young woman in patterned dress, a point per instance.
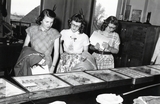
(74, 41)
(44, 38)
(103, 51)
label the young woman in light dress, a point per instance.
(108, 45)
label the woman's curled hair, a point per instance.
(78, 18)
(45, 12)
(112, 20)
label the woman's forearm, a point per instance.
(55, 55)
(113, 50)
(92, 47)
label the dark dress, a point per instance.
(28, 57)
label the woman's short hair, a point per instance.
(110, 19)
(45, 12)
(78, 18)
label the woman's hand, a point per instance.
(105, 45)
(97, 46)
(52, 68)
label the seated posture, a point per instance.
(105, 42)
(74, 47)
(30, 62)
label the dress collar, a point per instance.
(42, 29)
(77, 32)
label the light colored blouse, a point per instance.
(75, 40)
(112, 38)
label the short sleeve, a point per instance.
(86, 40)
(117, 41)
(56, 33)
(92, 38)
(28, 31)
(31, 30)
(62, 36)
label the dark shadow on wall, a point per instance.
(57, 24)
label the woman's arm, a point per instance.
(55, 55)
(86, 48)
(92, 47)
(113, 50)
(107, 48)
(95, 48)
(61, 47)
(27, 40)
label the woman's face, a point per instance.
(47, 23)
(75, 26)
(110, 28)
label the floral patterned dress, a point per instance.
(73, 48)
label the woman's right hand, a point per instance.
(97, 46)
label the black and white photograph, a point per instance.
(79, 52)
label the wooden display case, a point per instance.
(156, 66)
(43, 86)
(82, 81)
(10, 93)
(60, 85)
(147, 70)
(78, 78)
(113, 79)
(138, 77)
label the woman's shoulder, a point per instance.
(84, 35)
(65, 30)
(116, 34)
(97, 32)
(32, 28)
(53, 33)
(54, 30)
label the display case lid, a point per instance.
(138, 77)
(40, 82)
(130, 72)
(11, 93)
(78, 78)
(8, 89)
(156, 66)
(147, 70)
(108, 75)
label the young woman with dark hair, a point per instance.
(75, 46)
(108, 43)
(44, 38)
